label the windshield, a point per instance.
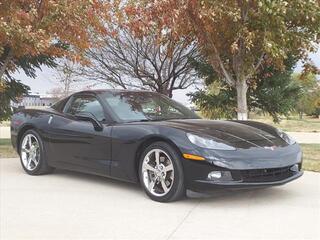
(145, 106)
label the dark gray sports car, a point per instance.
(146, 137)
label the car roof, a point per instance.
(99, 91)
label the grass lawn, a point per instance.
(293, 124)
(311, 154)
(6, 150)
(311, 157)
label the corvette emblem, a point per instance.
(270, 148)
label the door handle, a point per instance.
(50, 119)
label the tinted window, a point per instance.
(59, 106)
(89, 104)
(138, 106)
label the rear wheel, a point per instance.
(161, 174)
(32, 154)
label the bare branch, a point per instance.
(128, 62)
(256, 67)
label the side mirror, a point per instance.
(89, 117)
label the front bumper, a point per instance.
(246, 168)
(208, 185)
(197, 176)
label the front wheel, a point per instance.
(161, 173)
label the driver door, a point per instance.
(74, 143)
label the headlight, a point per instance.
(286, 137)
(208, 143)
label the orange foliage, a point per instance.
(33, 27)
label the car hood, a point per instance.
(236, 134)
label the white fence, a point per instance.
(4, 132)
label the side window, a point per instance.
(87, 104)
(59, 106)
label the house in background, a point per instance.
(34, 101)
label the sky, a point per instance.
(47, 79)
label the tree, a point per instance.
(11, 89)
(35, 32)
(35, 27)
(125, 61)
(309, 101)
(67, 77)
(274, 92)
(237, 36)
(56, 92)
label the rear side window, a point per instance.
(59, 106)
(89, 104)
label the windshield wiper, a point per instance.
(147, 120)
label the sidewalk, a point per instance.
(306, 137)
(301, 137)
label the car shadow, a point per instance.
(260, 195)
(217, 196)
(97, 180)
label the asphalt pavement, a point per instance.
(68, 205)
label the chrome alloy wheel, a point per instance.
(30, 152)
(157, 172)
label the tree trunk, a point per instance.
(163, 90)
(300, 115)
(242, 109)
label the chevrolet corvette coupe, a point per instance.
(147, 138)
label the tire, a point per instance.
(32, 156)
(155, 178)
